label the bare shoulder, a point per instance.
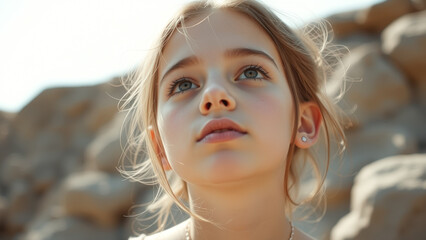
(174, 233)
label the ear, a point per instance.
(164, 162)
(308, 126)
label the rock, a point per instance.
(419, 5)
(363, 145)
(105, 106)
(377, 90)
(320, 228)
(65, 112)
(14, 167)
(372, 19)
(3, 210)
(357, 40)
(388, 201)
(377, 17)
(97, 196)
(5, 144)
(45, 170)
(20, 207)
(105, 150)
(48, 208)
(71, 164)
(46, 141)
(404, 41)
(344, 24)
(69, 229)
(35, 116)
(413, 118)
(421, 95)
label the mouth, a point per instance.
(219, 130)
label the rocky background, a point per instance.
(59, 154)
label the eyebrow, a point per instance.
(188, 61)
(244, 52)
(232, 53)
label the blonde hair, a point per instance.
(306, 64)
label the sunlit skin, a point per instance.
(229, 68)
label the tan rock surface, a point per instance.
(70, 229)
(388, 201)
(20, 206)
(3, 210)
(365, 146)
(404, 41)
(380, 15)
(65, 114)
(344, 24)
(5, 120)
(375, 89)
(413, 118)
(98, 196)
(105, 151)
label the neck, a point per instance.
(250, 209)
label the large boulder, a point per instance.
(3, 211)
(378, 16)
(70, 228)
(105, 151)
(45, 142)
(344, 24)
(97, 196)
(404, 41)
(5, 145)
(20, 205)
(413, 118)
(363, 145)
(75, 114)
(388, 201)
(373, 19)
(375, 90)
(14, 167)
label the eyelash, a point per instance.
(174, 84)
(258, 68)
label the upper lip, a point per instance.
(219, 124)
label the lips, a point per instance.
(222, 129)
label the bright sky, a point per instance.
(48, 43)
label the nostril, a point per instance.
(208, 105)
(224, 102)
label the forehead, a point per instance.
(214, 33)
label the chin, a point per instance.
(226, 167)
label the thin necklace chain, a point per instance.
(188, 236)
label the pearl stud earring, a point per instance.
(304, 139)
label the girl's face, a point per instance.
(226, 69)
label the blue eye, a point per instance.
(250, 73)
(180, 86)
(254, 73)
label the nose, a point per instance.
(216, 98)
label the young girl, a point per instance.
(221, 106)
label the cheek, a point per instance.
(274, 117)
(174, 124)
(167, 121)
(275, 108)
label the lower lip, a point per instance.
(221, 137)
